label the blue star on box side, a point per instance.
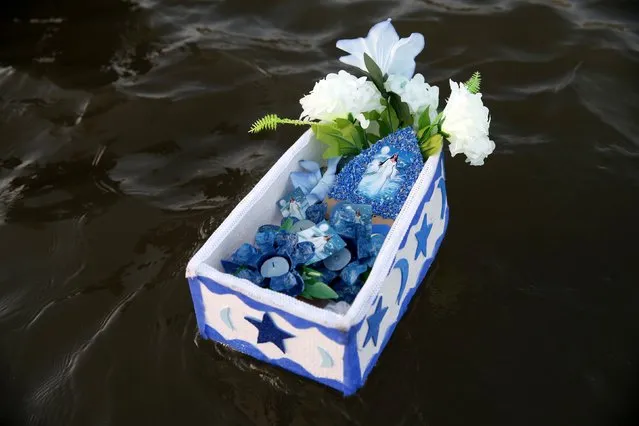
(269, 332)
(422, 237)
(374, 322)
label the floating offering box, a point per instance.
(331, 348)
(313, 269)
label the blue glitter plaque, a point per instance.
(382, 175)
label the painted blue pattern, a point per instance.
(269, 332)
(334, 335)
(374, 321)
(327, 360)
(402, 265)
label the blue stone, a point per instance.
(382, 175)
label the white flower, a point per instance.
(466, 120)
(339, 94)
(391, 54)
(416, 93)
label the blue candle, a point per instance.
(274, 267)
(338, 260)
(301, 226)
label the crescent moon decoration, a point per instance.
(402, 265)
(327, 361)
(225, 315)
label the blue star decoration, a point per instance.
(374, 321)
(269, 332)
(422, 237)
(402, 265)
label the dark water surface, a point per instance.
(123, 145)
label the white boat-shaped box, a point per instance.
(336, 350)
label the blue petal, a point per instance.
(291, 284)
(265, 237)
(350, 274)
(245, 255)
(327, 275)
(347, 292)
(320, 191)
(229, 267)
(302, 253)
(285, 242)
(304, 180)
(251, 275)
(316, 213)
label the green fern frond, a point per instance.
(271, 121)
(474, 83)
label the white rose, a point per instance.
(339, 94)
(466, 121)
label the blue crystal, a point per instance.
(350, 274)
(382, 175)
(316, 212)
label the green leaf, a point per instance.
(372, 115)
(474, 83)
(351, 133)
(318, 290)
(337, 143)
(342, 122)
(374, 73)
(432, 145)
(424, 119)
(372, 138)
(287, 224)
(402, 110)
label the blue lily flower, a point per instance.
(315, 185)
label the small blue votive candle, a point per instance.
(338, 260)
(274, 267)
(301, 226)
